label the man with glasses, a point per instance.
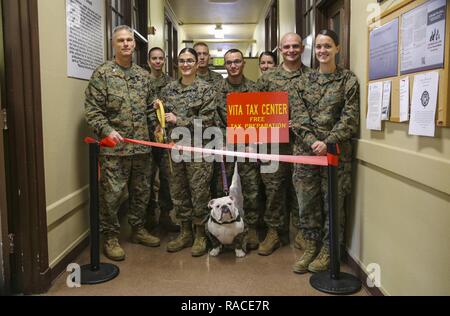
(204, 72)
(249, 172)
(281, 199)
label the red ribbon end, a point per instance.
(90, 140)
(333, 160)
(108, 142)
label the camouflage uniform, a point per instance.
(157, 84)
(329, 113)
(118, 101)
(160, 160)
(190, 182)
(211, 77)
(279, 200)
(248, 171)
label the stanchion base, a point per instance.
(347, 283)
(106, 272)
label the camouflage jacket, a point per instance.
(329, 111)
(157, 84)
(118, 102)
(280, 80)
(213, 78)
(223, 90)
(189, 103)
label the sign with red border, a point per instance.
(258, 117)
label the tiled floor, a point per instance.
(154, 271)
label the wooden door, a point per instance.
(4, 243)
(4, 248)
(338, 19)
(23, 143)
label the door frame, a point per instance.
(5, 274)
(319, 12)
(272, 28)
(323, 22)
(25, 180)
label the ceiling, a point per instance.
(238, 18)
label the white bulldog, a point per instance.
(226, 223)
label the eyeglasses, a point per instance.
(237, 62)
(187, 61)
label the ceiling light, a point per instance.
(222, 1)
(218, 32)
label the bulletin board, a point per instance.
(443, 104)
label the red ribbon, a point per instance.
(333, 160)
(306, 160)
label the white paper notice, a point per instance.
(85, 37)
(404, 99)
(386, 107)
(374, 108)
(423, 105)
(423, 37)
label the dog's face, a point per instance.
(223, 210)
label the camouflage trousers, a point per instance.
(281, 200)
(275, 188)
(311, 184)
(190, 190)
(292, 208)
(159, 183)
(117, 173)
(250, 182)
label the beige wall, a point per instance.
(259, 34)
(402, 197)
(251, 70)
(64, 127)
(65, 155)
(156, 17)
(181, 37)
(286, 24)
(286, 19)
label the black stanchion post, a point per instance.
(334, 281)
(95, 272)
(335, 262)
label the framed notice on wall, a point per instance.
(423, 37)
(383, 54)
(419, 91)
(85, 23)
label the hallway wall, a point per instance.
(156, 19)
(286, 23)
(286, 19)
(402, 197)
(65, 154)
(401, 203)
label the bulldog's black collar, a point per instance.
(238, 219)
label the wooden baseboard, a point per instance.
(360, 273)
(71, 256)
